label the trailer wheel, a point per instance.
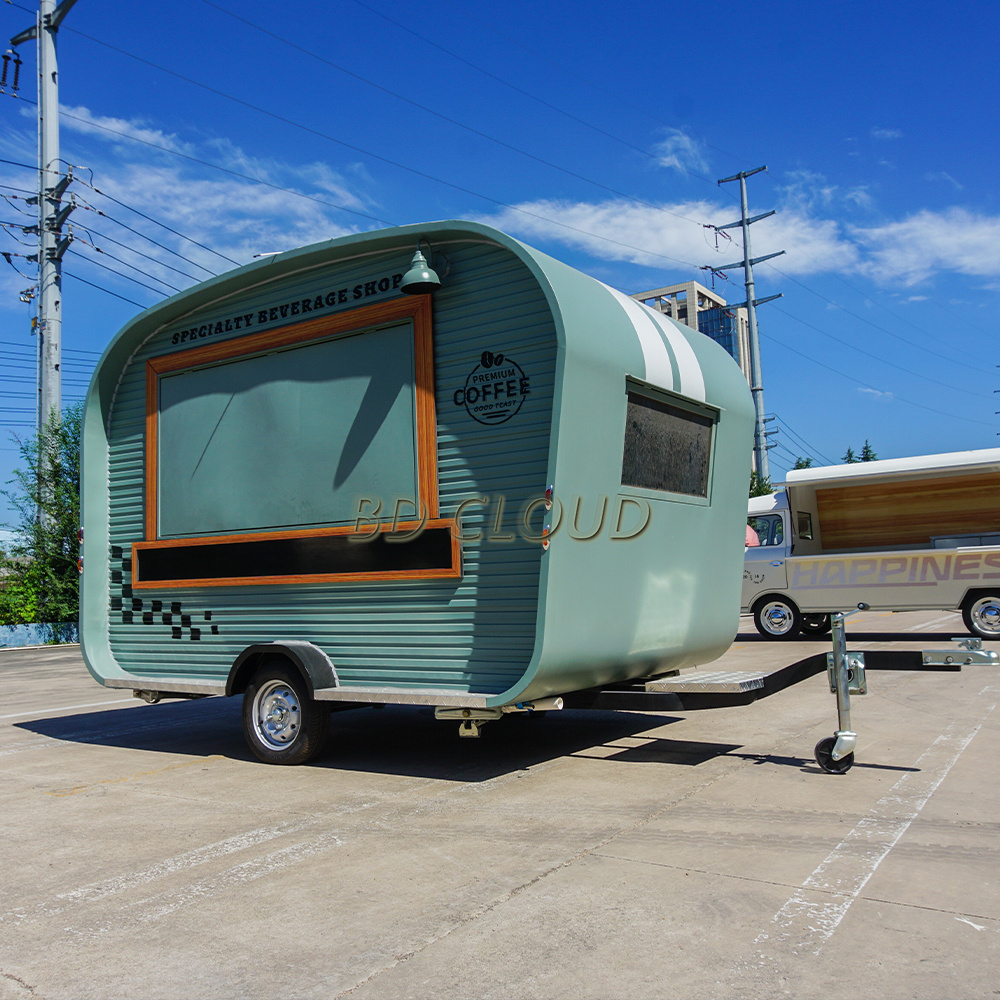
(981, 614)
(816, 624)
(777, 617)
(281, 723)
(824, 757)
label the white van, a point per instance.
(898, 535)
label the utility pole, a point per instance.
(52, 184)
(760, 435)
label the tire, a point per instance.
(824, 757)
(981, 614)
(816, 624)
(777, 617)
(281, 723)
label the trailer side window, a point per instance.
(667, 447)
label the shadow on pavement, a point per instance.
(857, 638)
(395, 740)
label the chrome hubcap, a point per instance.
(986, 614)
(777, 618)
(277, 714)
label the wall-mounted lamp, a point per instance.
(421, 277)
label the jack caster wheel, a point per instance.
(824, 757)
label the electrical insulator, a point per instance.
(17, 70)
(3, 76)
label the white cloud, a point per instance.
(877, 393)
(117, 130)
(806, 189)
(886, 133)
(681, 152)
(859, 196)
(896, 253)
(291, 205)
(942, 175)
(676, 233)
(927, 242)
(234, 217)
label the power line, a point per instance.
(149, 218)
(127, 277)
(356, 149)
(588, 80)
(938, 356)
(866, 385)
(105, 253)
(66, 350)
(891, 364)
(125, 246)
(216, 166)
(436, 114)
(801, 441)
(108, 291)
(104, 215)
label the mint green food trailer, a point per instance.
(476, 479)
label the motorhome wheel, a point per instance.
(981, 614)
(777, 618)
(281, 723)
(816, 624)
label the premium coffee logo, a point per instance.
(495, 389)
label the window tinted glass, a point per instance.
(666, 447)
(768, 527)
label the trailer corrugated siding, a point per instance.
(476, 633)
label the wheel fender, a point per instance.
(312, 663)
(773, 595)
(974, 593)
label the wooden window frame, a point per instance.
(409, 308)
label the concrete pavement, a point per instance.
(147, 854)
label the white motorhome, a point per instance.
(898, 535)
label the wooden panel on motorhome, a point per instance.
(884, 514)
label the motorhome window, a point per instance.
(804, 524)
(769, 528)
(666, 447)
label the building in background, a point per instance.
(694, 305)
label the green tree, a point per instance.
(760, 486)
(803, 463)
(39, 579)
(850, 457)
(868, 453)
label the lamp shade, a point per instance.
(420, 278)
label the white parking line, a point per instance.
(52, 712)
(808, 920)
(932, 624)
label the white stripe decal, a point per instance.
(692, 377)
(659, 370)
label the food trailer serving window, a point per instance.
(259, 449)
(288, 439)
(668, 446)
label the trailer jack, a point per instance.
(835, 754)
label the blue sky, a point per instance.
(207, 132)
